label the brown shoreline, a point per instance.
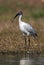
(31, 53)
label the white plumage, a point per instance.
(25, 28)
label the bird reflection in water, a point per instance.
(27, 60)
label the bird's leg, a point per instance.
(28, 44)
(28, 41)
(25, 41)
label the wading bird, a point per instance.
(25, 28)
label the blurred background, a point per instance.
(11, 38)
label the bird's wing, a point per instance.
(30, 29)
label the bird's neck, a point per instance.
(20, 18)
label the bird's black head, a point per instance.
(19, 13)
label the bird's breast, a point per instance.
(21, 27)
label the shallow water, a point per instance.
(21, 59)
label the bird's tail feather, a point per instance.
(35, 35)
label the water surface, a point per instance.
(21, 59)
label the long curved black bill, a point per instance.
(15, 17)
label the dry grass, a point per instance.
(11, 38)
